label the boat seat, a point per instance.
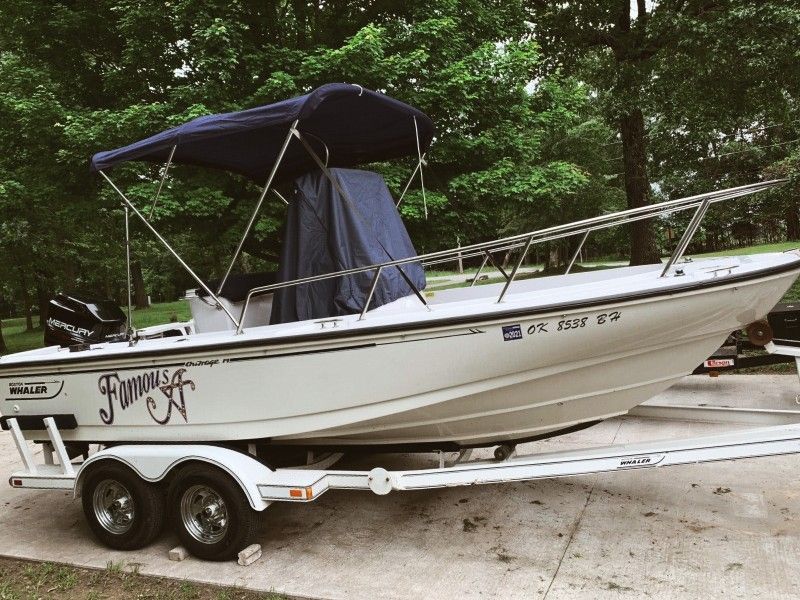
(238, 286)
(234, 293)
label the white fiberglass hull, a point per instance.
(468, 372)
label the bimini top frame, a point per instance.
(351, 124)
(197, 142)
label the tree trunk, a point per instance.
(139, 293)
(44, 298)
(301, 25)
(792, 223)
(70, 276)
(637, 187)
(26, 301)
(554, 258)
(3, 347)
(506, 259)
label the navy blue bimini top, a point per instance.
(355, 125)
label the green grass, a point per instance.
(450, 286)
(23, 580)
(18, 339)
(759, 249)
(593, 264)
(793, 293)
(581, 268)
(450, 272)
(157, 314)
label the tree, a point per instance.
(613, 50)
(137, 281)
(118, 70)
(3, 347)
(670, 72)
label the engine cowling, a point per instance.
(76, 319)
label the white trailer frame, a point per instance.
(263, 485)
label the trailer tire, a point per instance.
(123, 511)
(210, 513)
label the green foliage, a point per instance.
(526, 97)
(115, 71)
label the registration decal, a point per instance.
(512, 332)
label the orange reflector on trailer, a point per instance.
(306, 493)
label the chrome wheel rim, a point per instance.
(113, 506)
(204, 514)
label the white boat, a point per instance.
(478, 366)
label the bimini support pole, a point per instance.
(161, 182)
(420, 163)
(161, 239)
(258, 204)
(421, 178)
(128, 268)
(371, 293)
(410, 179)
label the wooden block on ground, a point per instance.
(250, 555)
(178, 553)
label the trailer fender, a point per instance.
(154, 462)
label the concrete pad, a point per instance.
(699, 531)
(760, 391)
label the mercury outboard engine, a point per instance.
(73, 319)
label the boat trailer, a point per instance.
(260, 485)
(745, 350)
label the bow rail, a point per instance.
(701, 202)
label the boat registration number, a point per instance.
(576, 323)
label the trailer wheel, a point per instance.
(210, 513)
(123, 511)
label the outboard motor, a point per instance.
(74, 319)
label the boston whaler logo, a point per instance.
(162, 388)
(34, 390)
(646, 460)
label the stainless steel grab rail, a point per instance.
(526, 240)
